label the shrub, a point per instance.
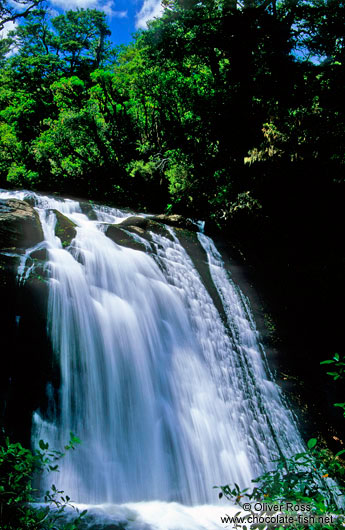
(313, 478)
(18, 466)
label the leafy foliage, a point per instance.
(315, 478)
(18, 466)
(72, 105)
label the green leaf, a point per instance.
(311, 443)
(74, 439)
(44, 446)
(298, 456)
(335, 375)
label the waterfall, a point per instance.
(168, 397)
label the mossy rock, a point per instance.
(64, 229)
(121, 238)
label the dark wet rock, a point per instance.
(139, 222)
(8, 270)
(64, 229)
(143, 225)
(40, 254)
(30, 199)
(121, 238)
(138, 230)
(26, 365)
(189, 241)
(30, 365)
(20, 226)
(39, 271)
(177, 221)
(87, 209)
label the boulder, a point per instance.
(64, 229)
(143, 225)
(20, 225)
(40, 254)
(87, 209)
(178, 221)
(121, 238)
(134, 220)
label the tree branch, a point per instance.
(9, 15)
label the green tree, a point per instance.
(81, 40)
(92, 133)
(76, 42)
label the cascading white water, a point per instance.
(269, 409)
(167, 399)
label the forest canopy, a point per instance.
(203, 107)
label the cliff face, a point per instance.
(24, 359)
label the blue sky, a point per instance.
(124, 16)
